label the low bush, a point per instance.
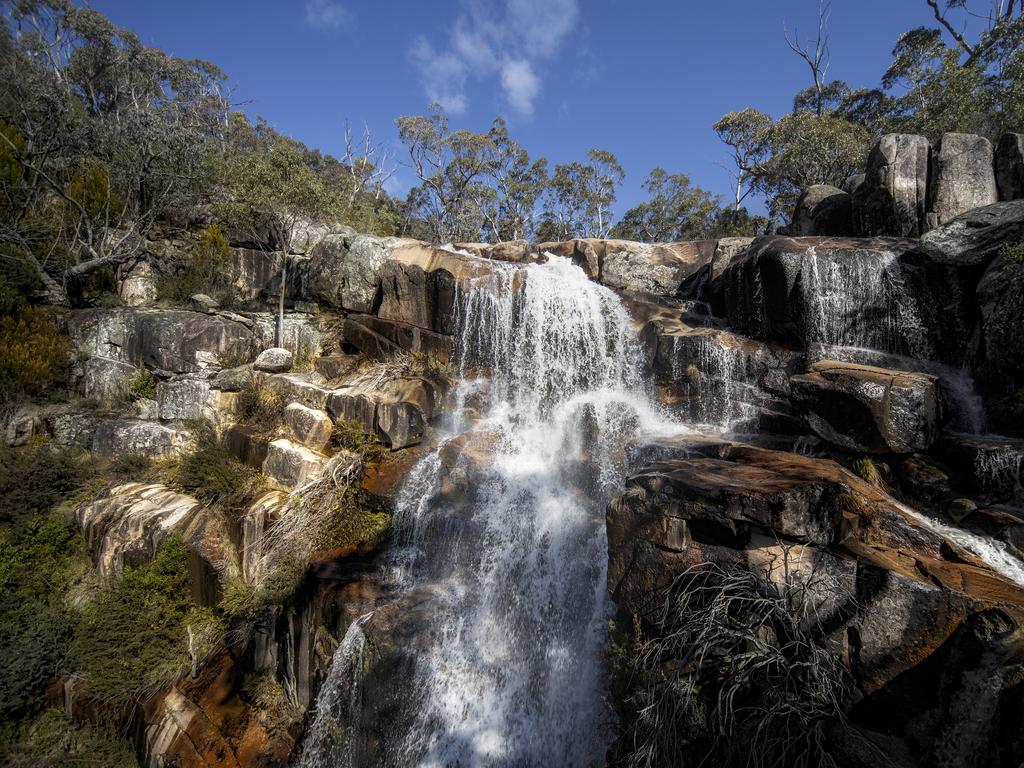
(734, 670)
(356, 522)
(142, 385)
(204, 268)
(52, 740)
(36, 477)
(133, 638)
(38, 566)
(270, 703)
(35, 354)
(208, 472)
(350, 435)
(259, 406)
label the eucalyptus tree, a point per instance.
(518, 182)
(452, 167)
(579, 197)
(674, 210)
(111, 137)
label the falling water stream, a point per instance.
(550, 395)
(503, 522)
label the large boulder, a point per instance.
(306, 234)
(892, 198)
(310, 427)
(1010, 166)
(126, 526)
(345, 271)
(290, 465)
(400, 424)
(183, 399)
(127, 437)
(870, 410)
(273, 360)
(175, 341)
(823, 210)
(138, 287)
(962, 177)
(106, 380)
(655, 268)
(974, 238)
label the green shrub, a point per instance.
(35, 478)
(52, 740)
(355, 523)
(259, 406)
(867, 470)
(18, 280)
(35, 353)
(270, 703)
(142, 385)
(133, 639)
(208, 472)
(37, 569)
(204, 268)
(350, 435)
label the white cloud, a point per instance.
(521, 85)
(325, 14)
(495, 38)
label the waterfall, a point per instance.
(506, 521)
(990, 551)
(330, 741)
(862, 302)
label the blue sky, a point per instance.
(645, 79)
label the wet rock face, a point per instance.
(823, 210)
(382, 339)
(1000, 368)
(1010, 166)
(910, 613)
(417, 297)
(867, 409)
(892, 198)
(962, 177)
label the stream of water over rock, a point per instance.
(550, 394)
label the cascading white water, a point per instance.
(990, 551)
(330, 739)
(550, 395)
(863, 303)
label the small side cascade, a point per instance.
(862, 303)
(991, 551)
(330, 741)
